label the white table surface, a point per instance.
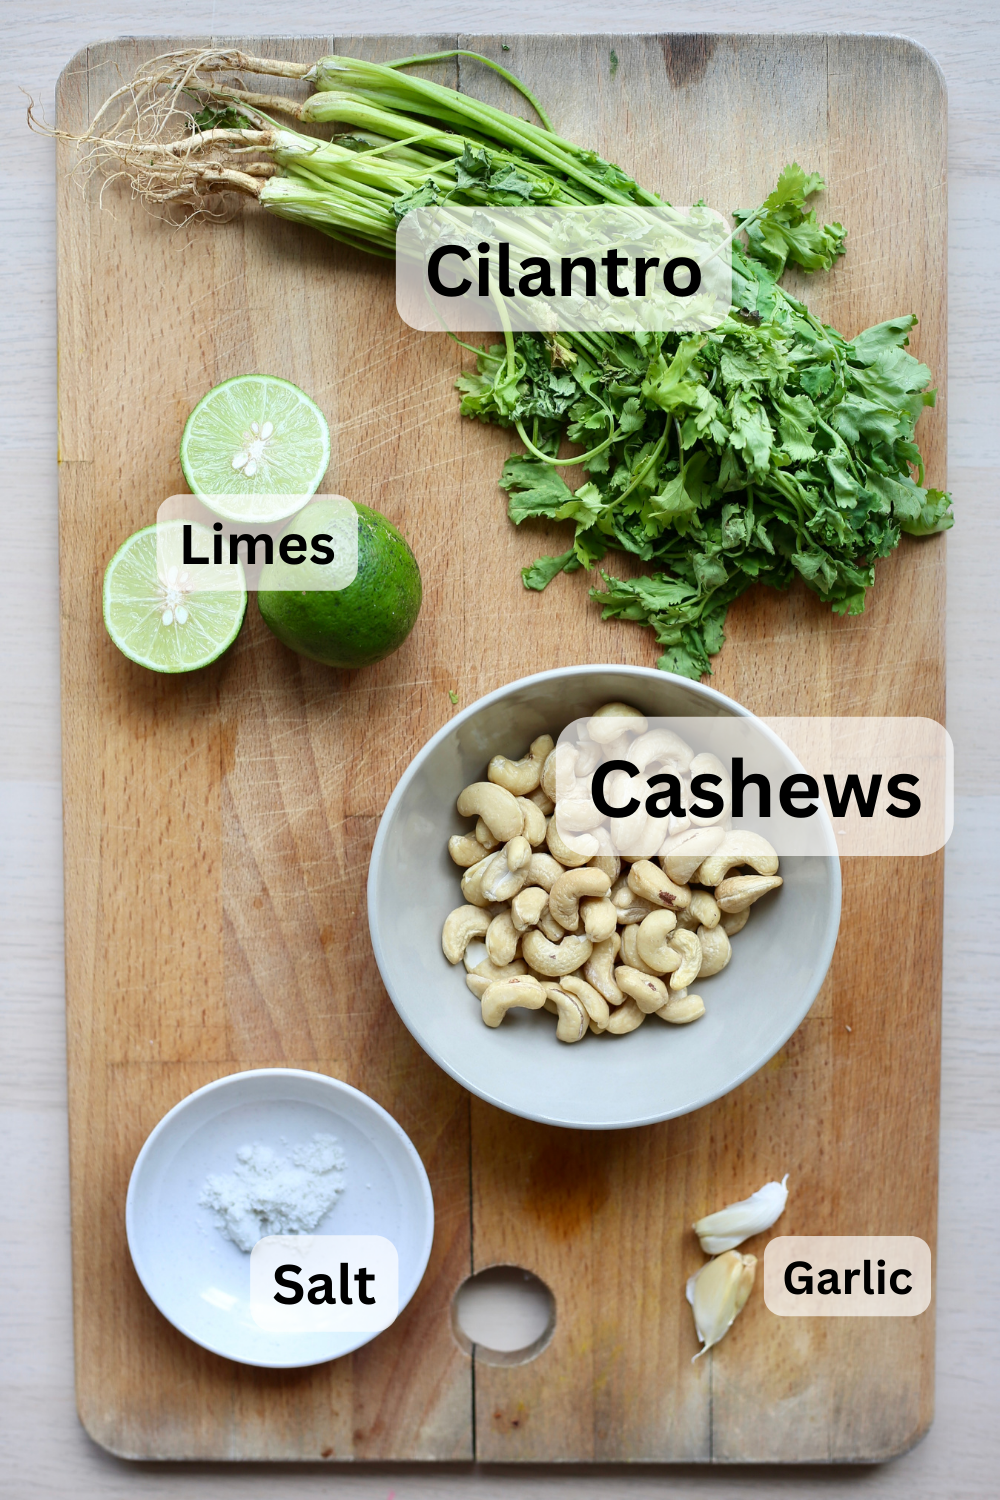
(43, 1449)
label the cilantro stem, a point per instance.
(471, 347)
(563, 463)
(840, 445)
(508, 336)
(651, 460)
(429, 57)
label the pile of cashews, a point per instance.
(539, 927)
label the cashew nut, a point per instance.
(679, 1011)
(649, 882)
(573, 1018)
(630, 908)
(688, 919)
(600, 917)
(552, 929)
(740, 891)
(563, 853)
(542, 801)
(682, 855)
(465, 849)
(558, 770)
(655, 942)
(564, 897)
(480, 983)
(485, 838)
(504, 994)
(518, 853)
(663, 748)
(599, 969)
(739, 847)
(630, 949)
(543, 870)
(588, 758)
(627, 903)
(502, 938)
(634, 913)
(618, 749)
(486, 970)
(638, 836)
(689, 948)
(460, 927)
(648, 992)
(472, 880)
(555, 959)
(578, 814)
(495, 805)
(534, 820)
(715, 951)
(734, 921)
(592, 1001)
(499, 882)
(710, 765)
(626, 1018)
(521, 776)
(609, 863)
(518, 776)
(705, 908)
(605, 725)
(527, 906)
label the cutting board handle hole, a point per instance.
(504, 1315)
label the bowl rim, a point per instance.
(650, 674)
(338, 1086)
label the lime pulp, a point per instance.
(255, 448)
(154, 610)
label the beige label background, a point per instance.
(339, 526)
(313, 1253)
(841, 1252)
(844, 746)
(554, 232)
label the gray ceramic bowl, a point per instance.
(601, 1083)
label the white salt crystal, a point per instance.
(270, 1194)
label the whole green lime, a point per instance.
(352, 626)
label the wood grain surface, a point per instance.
(218, 827)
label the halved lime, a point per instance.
(156, 609)
(260, 444)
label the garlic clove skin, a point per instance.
(718, 1293)
(732, 1225)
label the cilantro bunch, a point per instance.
(767, 449)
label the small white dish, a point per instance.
(196, 1276)
(656, 1072)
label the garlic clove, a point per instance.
(717, 1294)
(732, 1225)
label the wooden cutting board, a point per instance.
(218, 826)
